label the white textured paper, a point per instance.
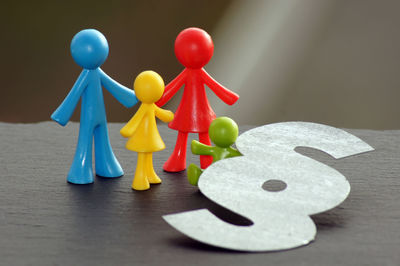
(280, 219)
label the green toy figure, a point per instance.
(223, 132)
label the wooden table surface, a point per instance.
(46, 221)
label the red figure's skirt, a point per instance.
(194, 113)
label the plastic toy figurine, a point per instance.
(89, 49)
(223, 132)
(141, 130)
(193, 48)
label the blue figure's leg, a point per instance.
(81, 171)
(106, 163)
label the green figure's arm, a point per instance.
(234, 152)
(200, 148)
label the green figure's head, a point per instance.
(223, 131)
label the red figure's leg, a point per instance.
(177, 160)
(205, 160)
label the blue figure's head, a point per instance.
(89, 48)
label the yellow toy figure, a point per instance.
(142, 131)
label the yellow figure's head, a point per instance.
(148, 86)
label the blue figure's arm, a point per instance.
(124, 95)
(64, 112)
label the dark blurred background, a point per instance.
(330, 61)
(38, 70)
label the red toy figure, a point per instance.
(194, 49)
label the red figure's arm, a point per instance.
(227, 96)
(172, 88)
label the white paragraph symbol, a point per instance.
(280, 218)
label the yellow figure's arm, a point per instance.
(164, 115)
(130, 128)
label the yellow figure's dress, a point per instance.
(146, 137)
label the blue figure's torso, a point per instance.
(92, 106)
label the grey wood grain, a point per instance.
(46, 221)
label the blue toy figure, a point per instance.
(89, 48)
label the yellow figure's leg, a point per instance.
(140, 181)
(151, 175)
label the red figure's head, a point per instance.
(194, 47)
